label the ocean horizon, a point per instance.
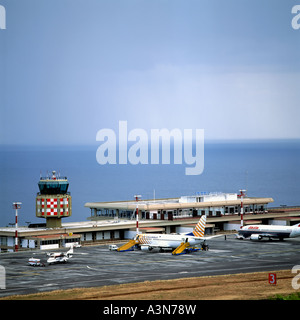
(266, 168)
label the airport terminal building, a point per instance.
(211, 204)
(115, 221)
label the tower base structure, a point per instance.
(53, 223)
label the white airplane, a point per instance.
(180, 242)
(260, 232)
(59, 257)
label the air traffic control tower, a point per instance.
(53, 202)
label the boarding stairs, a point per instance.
(128, 246)
(180, 249)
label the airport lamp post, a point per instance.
(17, 206)
(137, 197)
(241, 195)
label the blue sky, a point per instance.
(69, 68)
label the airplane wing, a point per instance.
(70, 251)
(211, 237)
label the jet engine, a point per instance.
(255, 237)
(146, 248)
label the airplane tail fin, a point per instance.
(70, 251)
(296, 225)
(200, 227)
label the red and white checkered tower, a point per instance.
(53, 202)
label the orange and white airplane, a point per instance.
(182, 242)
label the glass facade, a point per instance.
(53, 187)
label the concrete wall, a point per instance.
(25, 243)
(49, 246)
(107, 235)
(231, 226)
(99, 235)
(10, 241)
(184, 229)
(129, 234)
(31, 244)
(278, 222)
(88, 236)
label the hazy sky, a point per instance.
(69, 68)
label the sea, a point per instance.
(264, 168)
